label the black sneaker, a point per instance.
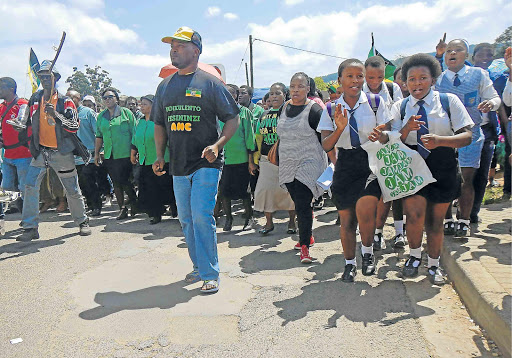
(319, 203)
(123, 214)
(95, 212)
(410, 269)
(435, 275)
(462, 230)
(28, 235)
(349, 273)
(449, 228)
(399, 241)
(368, 264)
(379, 244)
(85, 229)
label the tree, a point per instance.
(320, 84)
(502, 42)
(92, 82)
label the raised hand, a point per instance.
(413, 124)
(508, 58)
(377, 134)
(441, 46)
(340, 117)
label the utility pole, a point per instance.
(250, 58)
(247, 74)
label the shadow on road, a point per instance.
(162, 297)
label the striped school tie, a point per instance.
(456, 80)
(424, 152)
(354, 135)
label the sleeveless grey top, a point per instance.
(301, 156)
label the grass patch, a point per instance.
(493, 195)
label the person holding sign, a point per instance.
(355, 189)
(434, 124)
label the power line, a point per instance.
(243, 57)
(300, 49)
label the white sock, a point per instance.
(366, 249)
(353, 261)
(404, 219)
(450, 220)
(464, 221)
(415, 252)
(433, 262)
(399, 227)
(376, 236)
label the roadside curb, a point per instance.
(481, 293)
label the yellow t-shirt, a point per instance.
(47, 136)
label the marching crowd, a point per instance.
(198, 144)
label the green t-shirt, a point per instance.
(236, 151)
(257, 112)
(116, 132)
(144, 142)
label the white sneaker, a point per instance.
(2, 227)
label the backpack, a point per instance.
(443, 97)
(373, 101)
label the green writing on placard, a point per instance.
(399, 176)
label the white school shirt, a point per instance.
(384, 93)
(365, 118)
(438, 121)
(486, 89)
(507, 93)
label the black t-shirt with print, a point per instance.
(267, 127)
(189, 106)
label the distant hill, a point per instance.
(396, 62)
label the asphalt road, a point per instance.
(120, 293)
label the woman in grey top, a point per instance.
(301, 157)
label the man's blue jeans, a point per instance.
(12, 168)
(195, 198)
(64, 166)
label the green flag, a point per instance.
(390, 67)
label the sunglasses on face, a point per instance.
(108, 97)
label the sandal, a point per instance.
(265, 231)
(210, 286)
(193, 277)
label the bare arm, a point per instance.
(160, 143)
(211, 152)
(461, 139)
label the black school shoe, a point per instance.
(349, 273)
(462, 230)
(380, 244)
(411, 270)
(368, 264)
(436, 276)
(449, 228)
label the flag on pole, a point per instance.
(33, 67)
(390, 67)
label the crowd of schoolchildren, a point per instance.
(452, 118)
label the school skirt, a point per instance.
(269, 196)
(353, 178)
(444, 166)
(119, 170)
(234, 182)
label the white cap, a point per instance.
(89, 98)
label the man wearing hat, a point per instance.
(185, 110)
(89, 102)
(53, 119)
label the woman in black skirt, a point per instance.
(234, 183)
(434, 124)
(114, 130)
(355, 189)
(154, 191)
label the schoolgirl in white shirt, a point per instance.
(443, 124)
(355, 189)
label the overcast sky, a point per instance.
(124, 36)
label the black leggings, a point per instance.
(302, 197)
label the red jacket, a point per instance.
(10, 135)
